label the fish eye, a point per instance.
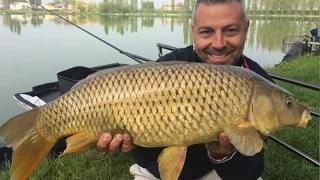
(289, 101)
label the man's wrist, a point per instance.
(220, 158)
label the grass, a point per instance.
(306, 69)
(89, 164)
(280, 163)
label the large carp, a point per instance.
(168, 104)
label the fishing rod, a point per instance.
(132, 56)
(298, 13)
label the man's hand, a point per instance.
(112, 145)
(223, 147)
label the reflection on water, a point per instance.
(265, 32)
(15, 22)
(268, 33)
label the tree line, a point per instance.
(282, 6)
(253, 6)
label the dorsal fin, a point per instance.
(121, 68)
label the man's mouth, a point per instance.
(219, 56)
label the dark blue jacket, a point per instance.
(197, 163)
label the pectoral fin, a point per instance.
(171, 161)
(245, 138)
(79, 142)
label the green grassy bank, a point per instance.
(281, 164)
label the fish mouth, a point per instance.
(306, 117)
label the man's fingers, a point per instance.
(104, 141)
(224, 141)
(226, 144)
(221, 148)
(115, 144)
(127, 143)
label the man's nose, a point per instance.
(218, 41)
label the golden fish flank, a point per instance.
(168, 104)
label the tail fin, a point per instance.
(29, 147)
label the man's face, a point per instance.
(219, 32)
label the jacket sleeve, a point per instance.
(241, 167)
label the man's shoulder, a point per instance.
(254, 66)
(182, 54)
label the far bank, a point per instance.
(257, 14)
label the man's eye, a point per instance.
(231, 32)
(205, 33)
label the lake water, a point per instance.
(33, 49)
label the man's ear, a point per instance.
(247, 25)
(193, 29)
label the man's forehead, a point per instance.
(226, 13)
(206, 27)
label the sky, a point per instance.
(157, 3)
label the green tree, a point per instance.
(111, 6)
(172, 5)
(186, 5)
(92, 7)
(192, 3)
(67, 2)
(34, 3)
(5, 4)
(147, 6)
(134, 5)
(81, 6)
(248, 5)
(13, 1)
(103, 7)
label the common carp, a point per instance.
(167, 104)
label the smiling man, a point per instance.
(220, 29)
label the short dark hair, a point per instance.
(214, 2)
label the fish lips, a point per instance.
(306, 117)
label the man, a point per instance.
(220, 28)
